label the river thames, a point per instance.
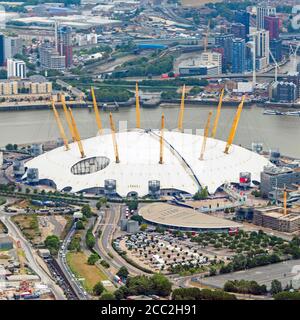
(282, 132)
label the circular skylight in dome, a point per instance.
(90, 165)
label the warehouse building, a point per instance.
(274, 218)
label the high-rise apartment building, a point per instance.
(16, 69)
(272, 25)
(225, 41)
(238, 30)
(261, 12)
(238, 55)
(64, 44)
(243, 17)
(262, 44)
(2, 49)
(50, 58)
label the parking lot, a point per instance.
(157, 252)
(286, 272)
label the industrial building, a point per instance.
(275, 218)
(209, 63)
(186, 219)
(283, 91)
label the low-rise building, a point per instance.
(8, 87)
(274, 218)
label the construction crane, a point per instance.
(276, 65)
(215, 125)
(77, 135)
(60, 126)
(181, 112)
(67, 116)
(205, 44)
(97, 113)
(161, 140)
(137, 106)
(113, 132)
(234, 125)
(285, 191)
(206, 132)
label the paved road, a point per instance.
(74, 282)
(31, 256)
(103, 245)
(285, 272)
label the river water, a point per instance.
(282, 132)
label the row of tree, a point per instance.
(204, 294)
(157, 284)
(244, 286)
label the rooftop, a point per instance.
(181, 217)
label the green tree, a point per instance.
(161, 285)
(285, 295)
(132, 204)
(93, 258)
(123, 272)
(79, 225)
(276, 287)
(143, 227)
(86, 210)
(202, 194)
(107, 296)
(90, 239)
(98, 289)
(52, 243)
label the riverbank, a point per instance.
(155, 103)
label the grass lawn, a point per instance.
(92, 274)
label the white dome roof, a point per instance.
(139, 157)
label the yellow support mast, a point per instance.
(97, 113)
(60, 126)
(113, 132)
(234, 125)
(206, 132)
(67, 116)
(161, 140)
(181, 112)
(137, 106)
(77, 135)
(215, 125)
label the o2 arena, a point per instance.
(139, 160)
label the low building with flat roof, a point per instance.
(185, 219)
(274, 218)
